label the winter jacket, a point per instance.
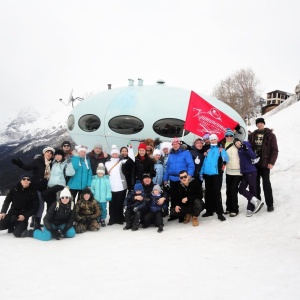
(233, 165)
(101, 189)
(245, 157)
(159, 169)
(95, 160)
(142, 166)
(130, 202)
(22, 201)
(192, 191)
(211, 164)
(87, 209)
(116, 177)
(83, 173)
(179, 160)
(269, 148)
(58, 172)
(198, 158)
(154, 207)
(59, 214)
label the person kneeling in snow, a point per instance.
(134, 203)
(87, 212)
(58, 222)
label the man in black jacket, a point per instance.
(23, 202)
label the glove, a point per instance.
(244, 147)
(135, 209)
(56, 234)
(201, 177)
(17, 162)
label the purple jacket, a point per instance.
(245, 159)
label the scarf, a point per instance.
(47, 169)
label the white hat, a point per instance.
(65, 193)
(114, 149)
(213, 137)
(80, 148)
(156, 151)
(101, 168)
(165, 145)
(48, 149)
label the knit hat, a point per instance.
(80, 148)
(228, 131)
(198, 140)
(59, 152)
(66, 143)
(206, 136)
(156, 151)
(142, 146)
(175, 141)
(25, 175)
(114, 149)
(48, 149)
(213, 137)
(260, 120)
(157, 187)
(101, 168)
(98, 146)
(86, 191)
(146, 175)
(65, 193)
(138, 186)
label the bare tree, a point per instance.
(241, 92)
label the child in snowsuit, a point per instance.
(87, 212)
(101, 189)
(134, 204)
(157, 205)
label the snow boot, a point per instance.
(257, 203)
(195, 221)
(221, 218)
(160, 229)
(187, 218)
(27, 233)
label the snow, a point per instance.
(241, 258)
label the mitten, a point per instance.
(135, 209)
(17, 162)
(56, 234)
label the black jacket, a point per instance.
(143, 166)
(23, 201)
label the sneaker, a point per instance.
(160, 229)
(233, 214)
(249, 213)
(270, 208)
(221, 218)
(102, 223)
(227, 212)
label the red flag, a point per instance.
(202, 118)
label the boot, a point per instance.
(37, 223)
(195, 221)
(187, 218)
(27, 233)
(160, 229)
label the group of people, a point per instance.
(162, 179)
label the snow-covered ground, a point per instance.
(241, 258)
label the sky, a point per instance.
(50, 47)
(241, 258)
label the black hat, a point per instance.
(66, 143)
(59, 151)
(86, 191)
(260, 120)
(25, 175)
(146, 175)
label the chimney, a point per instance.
(130, 82)
(109, 86)
(140, 82)
(160, 81)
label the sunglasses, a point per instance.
(183, 177)
(26, 178)
(228, 135)
(66, 146)
(66, 197)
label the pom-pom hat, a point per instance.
(65, 193)
(138, 186)
(114, 150)
(213, 137)
(100, 169)
(48, 149)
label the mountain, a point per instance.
(25, 135)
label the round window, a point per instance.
(169, 127)
(71, 122)
(89, 123)
(126, 124)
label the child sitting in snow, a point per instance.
(101, 189)
(87, 212)
(134, 204)
(157, 205)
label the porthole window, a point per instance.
(169, 127)
(89, 123)
(126, 124)
(71, 122)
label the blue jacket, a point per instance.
(159, 168)
(83, 174)
(245, 159)
(154, 207)
(130, 202)
(58, 172)
(179, 160)
(211, 161)
(100, 187)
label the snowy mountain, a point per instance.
(27, 134)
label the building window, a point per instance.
(89, 123)
(169, 127)
(126, 124)
(71, 122)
